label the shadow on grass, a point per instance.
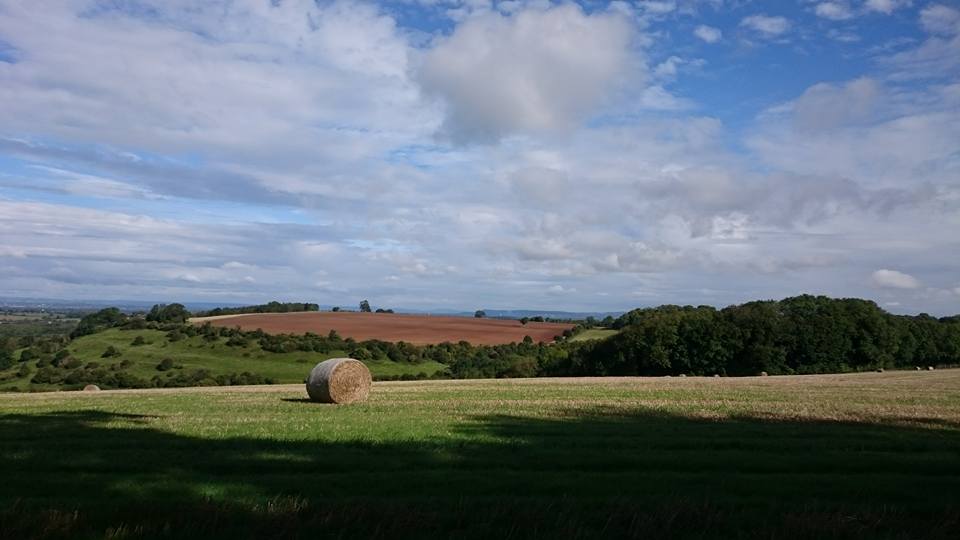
(642, 474)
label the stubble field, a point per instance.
(873, 455)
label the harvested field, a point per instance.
(416, 329)
(869, 455)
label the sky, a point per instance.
(448, 154)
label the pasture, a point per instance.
(872, 455)
(194, 353)
(594, 333)
(415, 329)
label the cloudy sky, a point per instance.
(465, 154)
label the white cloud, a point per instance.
(766, 25)
(824, 106)
(708, 34)
(885, 6)
(536, 71)
(894, 279)
(834, 11)
(657, 7)
(940, 19)
(302, 158)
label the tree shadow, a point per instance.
(642, 473)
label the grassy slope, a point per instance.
(195, 353)
(594, 333)
(867, 455)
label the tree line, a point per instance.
(269, 307)
(798, 335)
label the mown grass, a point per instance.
(851, 456)
(594, 333)
(192, 353)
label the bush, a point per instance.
(138, 341)
(70, 363)
(110, 352)
(165, 365)
(237, 341)
(6, 360)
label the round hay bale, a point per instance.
(683, 375)
(918, 368)
(764, 374)
(339, 380)
(929, 368)
(91, 388)
(717, 375)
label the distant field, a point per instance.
(197, 353)
(416, 329)
(595, 333)
(873, 455)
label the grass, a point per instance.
(196, 353)
(594, 333)
(873, 455)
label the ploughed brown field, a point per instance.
(416, 329)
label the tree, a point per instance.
(6, 360)
(365, 306)
(335, 309)
(94, 322)
(480, 314)
(168, 313)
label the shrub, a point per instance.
(138, 341)
(6, 360)
(110, 352)
(165, 365)
(70, 363)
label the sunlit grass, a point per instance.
(850, 455)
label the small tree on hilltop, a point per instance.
(365, 307)
(480, 314)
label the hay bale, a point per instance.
(918, 368)
(683, 375)
(764, 374)
(339, 380)
(929, 368)
(91, 388)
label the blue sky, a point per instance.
(462, 155)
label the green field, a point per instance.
(594, 333)
(192, 353)
(874, 455)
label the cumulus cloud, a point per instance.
(765, 25)
(535, 71)
(252, 150)
(940, 19)
(708, 34)
(885, 6)
(824, 106)
(894, 279)
(834, 11)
